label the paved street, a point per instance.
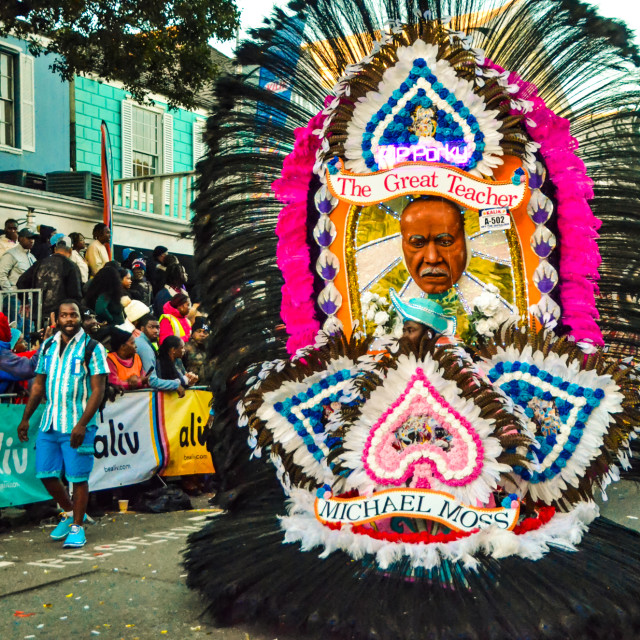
(128, 582)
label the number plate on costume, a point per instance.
(495, 219)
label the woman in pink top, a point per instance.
(174, 321)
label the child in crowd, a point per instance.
(21, 349)
(19, 346)
(13, 368)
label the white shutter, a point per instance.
(127, 139)
(27, 104)
(167, 154)
(167, 143)
(199, 148)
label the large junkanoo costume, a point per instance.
(472, 166)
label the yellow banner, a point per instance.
(183, 422)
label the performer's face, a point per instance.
(433, 244)
(413, 331)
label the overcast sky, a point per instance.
(253, 12)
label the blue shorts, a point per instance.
(54, 454)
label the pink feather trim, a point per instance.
(579, 254)
(292, 189)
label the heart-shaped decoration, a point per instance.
(423, 426)
(421, 436)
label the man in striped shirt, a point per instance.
(71, 373)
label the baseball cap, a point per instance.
(26, 233)
(60, 237)
(200, 322)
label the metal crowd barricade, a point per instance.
(23, 308)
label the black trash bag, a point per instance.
(162, 500)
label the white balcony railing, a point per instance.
(174, 192)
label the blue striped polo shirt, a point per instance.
(68, 384)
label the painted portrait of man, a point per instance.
(433, 243)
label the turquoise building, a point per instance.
(50, 153)
(34, 112)
(145, 139)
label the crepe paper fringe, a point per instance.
(579, 254)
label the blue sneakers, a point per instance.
(62, 530)
(64, 526)
(76, 537)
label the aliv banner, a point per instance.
(138, 435)
(18, 482)
(126, 447)
(182, 425)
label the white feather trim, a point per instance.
(284, 433)
(564, 531)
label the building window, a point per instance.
(146, 142)
(7, 100)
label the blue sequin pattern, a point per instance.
(315, 413)
(397, 132)
(523, 391)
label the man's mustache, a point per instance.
(433, 271)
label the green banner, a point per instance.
(18, 482)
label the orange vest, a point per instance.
(124, 373)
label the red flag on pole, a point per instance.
(107, 182)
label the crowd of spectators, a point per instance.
(139, 308)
